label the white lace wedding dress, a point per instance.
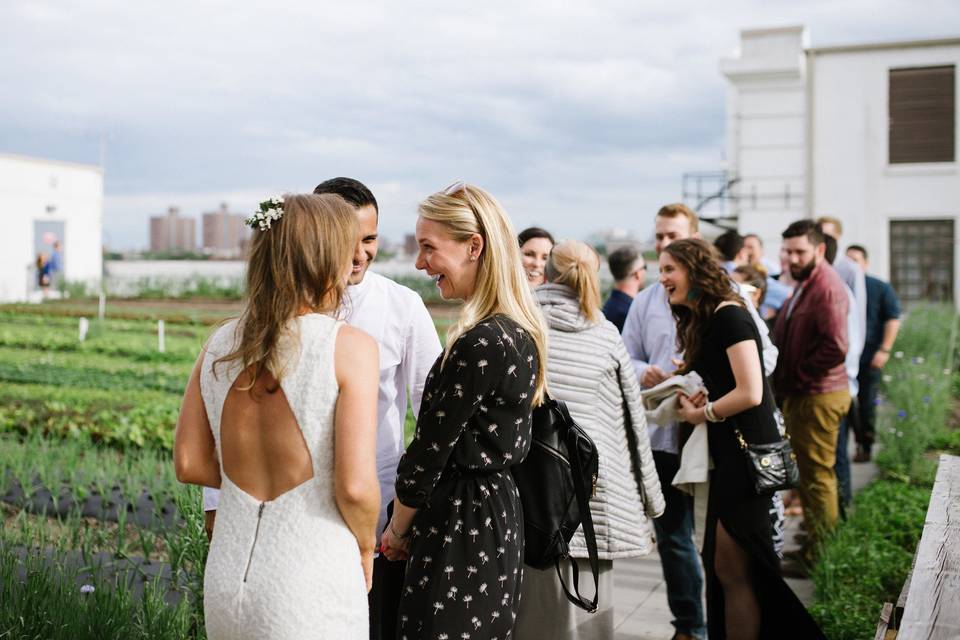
(287, 568)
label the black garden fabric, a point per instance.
(465, 567)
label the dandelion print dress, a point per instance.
(465, 567)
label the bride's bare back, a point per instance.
(262, 446)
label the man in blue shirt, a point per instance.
(629, 273)
(54, 266)
(882, 326)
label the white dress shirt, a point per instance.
(853, 276)
(397, 319)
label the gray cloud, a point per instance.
(577, 116)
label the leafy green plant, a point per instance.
(52, 602)
(866, 559)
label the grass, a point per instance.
(45, 601)
(89, 421)
(865, 561)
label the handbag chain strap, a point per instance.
(743, 443)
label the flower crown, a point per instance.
(270, 211)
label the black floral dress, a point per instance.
(465, 567)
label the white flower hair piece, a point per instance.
(270, 211)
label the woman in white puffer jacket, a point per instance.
(589, 369)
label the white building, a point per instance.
(866, 133)
(42, 202)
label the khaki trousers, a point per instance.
(813, 423)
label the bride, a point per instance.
(280, 414)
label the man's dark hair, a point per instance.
(534, 232)
(807, 228)
(831, 248)
(859, 247)
(622, 262)
(353, 191)
(729, 244)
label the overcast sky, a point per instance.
(577, 116)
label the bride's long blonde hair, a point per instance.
(501, 285)
(297, 264)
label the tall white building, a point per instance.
(866, 133)
(43, 202)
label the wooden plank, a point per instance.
(932, 609)
(885, 614)
(904, 591)
(944, 507)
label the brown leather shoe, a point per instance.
(862, 455)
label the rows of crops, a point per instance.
(99, 540)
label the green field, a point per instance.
(99, 540)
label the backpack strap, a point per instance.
(583, 502)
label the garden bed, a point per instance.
(865, 561)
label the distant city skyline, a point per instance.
(577, 118)
(222, 233)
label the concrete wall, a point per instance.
(815, 121)
(766, 131)
(852, 178)
(33, 189)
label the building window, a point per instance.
(921, 259)
(923, 114)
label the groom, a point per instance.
(397, 319)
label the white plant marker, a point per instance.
(102, 307)
(84, 327)
(161, 337)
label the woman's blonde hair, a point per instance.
(501, 285)
(576, 265)
(297, 265)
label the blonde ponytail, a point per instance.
(576, 265)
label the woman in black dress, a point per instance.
(457, 516)
(746, 596)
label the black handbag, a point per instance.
(773, 466)
(555, 482)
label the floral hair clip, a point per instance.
(270, 211)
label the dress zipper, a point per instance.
(256, 534)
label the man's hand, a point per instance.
(880, 359)
(653, 376)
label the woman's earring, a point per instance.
(693, 294)
(473, 258)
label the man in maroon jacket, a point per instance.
(811, 333)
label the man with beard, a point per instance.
(811, 332)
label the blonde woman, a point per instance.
(457, 514)
(280, 414)
(588, 368)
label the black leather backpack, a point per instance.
(555, 482)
